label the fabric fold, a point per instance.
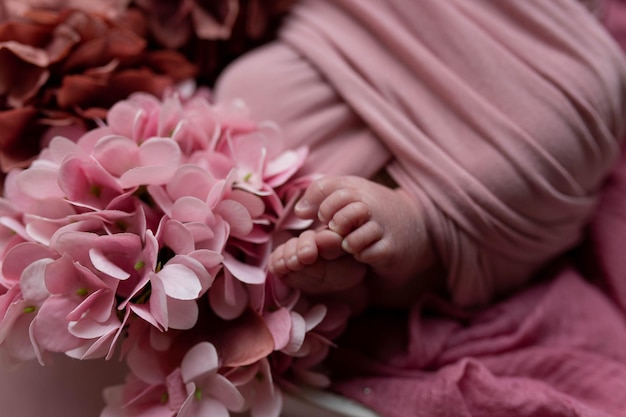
(490, 110)
(554, 349)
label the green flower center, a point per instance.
(95, 190)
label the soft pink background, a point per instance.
(73, 386)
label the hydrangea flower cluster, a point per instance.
(149, 237)
(66, 62)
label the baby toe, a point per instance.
(291, 255)
(362, 237)
(277, 264)
(329, 244)
(306, 248)
(380, 252)
(350, 217)
(336, 201)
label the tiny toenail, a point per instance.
(293, 259)
(345, 245)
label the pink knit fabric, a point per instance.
(501, 118)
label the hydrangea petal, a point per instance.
(32, 280)
(242, 341)
(207, 407)
(179, 282)
(98, 305)
(208, 258)
(15, 226)
(298, 332)
(20, 343)
(199, 361)
(268, 399)
(160, 152)
(280, 169)
(227, 296)
(146, 365)
(50, 327)
(190, 209)
(98, 348)
(182, 314)
(203, 272)
(85, 182)
(158, 302)
(12, 314)
(104, 265)
(123, 116)
(41, 230)
(314, 316)
(161, 198)
(176, 236)
(151, 175)
(60, 147)
(249, 274)
(279, 324)
(237, 217)
(116, 154)
(221, 388)
(62, 277)
(252, 202)
(192, 181)
(21, 256)
(40, 181)
(88, 328)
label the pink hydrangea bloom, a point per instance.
(152, 234)
(208, 392)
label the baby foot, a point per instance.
(380, 226)
(314, 262)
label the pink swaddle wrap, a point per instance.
(502, 118)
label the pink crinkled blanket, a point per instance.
(556, 349)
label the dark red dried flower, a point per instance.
(65, 68)
(65, 62)
(211, 33)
